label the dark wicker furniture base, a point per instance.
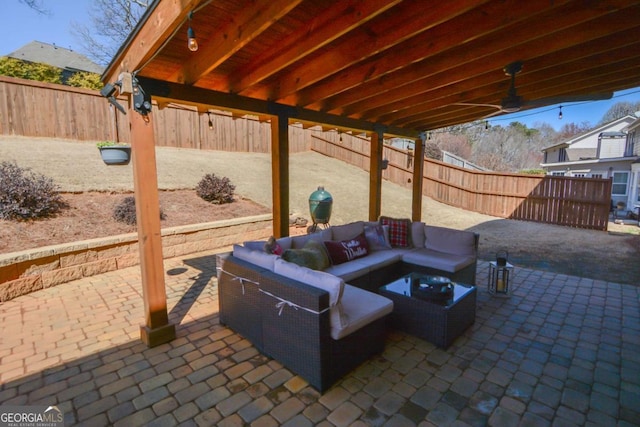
(438, 323)
(296, 336)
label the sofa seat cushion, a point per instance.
(360, 308)
(350, 270)
(438, 260)
(379, 259)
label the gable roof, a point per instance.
(56, 56)
(604, 130)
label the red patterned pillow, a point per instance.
(399, 230)
(347, 250)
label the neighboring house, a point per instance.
(69, 61)
(454, 159)
(609, 151)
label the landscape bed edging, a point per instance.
(30, 270)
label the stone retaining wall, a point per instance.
(31, 270)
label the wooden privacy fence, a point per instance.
(30, 108)
(567, 201)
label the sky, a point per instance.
(20, 25)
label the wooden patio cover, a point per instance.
(383, 67)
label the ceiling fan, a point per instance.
(513, 103)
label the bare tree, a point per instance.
(110, 23)
(36, 5)
(619, 110)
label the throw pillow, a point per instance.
(377, 238)
(312, 255)
(272, 247)
(347, 250)
(399, 230)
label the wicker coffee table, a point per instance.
(439, 322)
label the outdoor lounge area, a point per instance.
(561, 350)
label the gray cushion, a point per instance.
(438, 260)
(360, 308)
(346, 231)
(260, 258)
(448, 240)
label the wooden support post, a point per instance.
(375, 174)
(418, 170)
(157, 329)
(280, 173)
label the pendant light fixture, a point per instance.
(192, 42)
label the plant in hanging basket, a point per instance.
(114, 153)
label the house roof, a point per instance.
(56, 56)
(596, 131)
(406, 66)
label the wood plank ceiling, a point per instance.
(411, 64)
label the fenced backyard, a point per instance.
(29, 108)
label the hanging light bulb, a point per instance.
(192, 42)
(210, 122)
(486, 124)
(560, 113)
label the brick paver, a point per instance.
(561, 350)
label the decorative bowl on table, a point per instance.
(432, 288)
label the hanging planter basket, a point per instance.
(115, 154)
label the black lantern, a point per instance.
(499, 274)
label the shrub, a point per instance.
(26, 195)
(215, 189)
(125, 211)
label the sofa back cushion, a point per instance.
(417, 234)
(318, 279)
(450, 241)
(298, 242)
(260, 258)
(346, 231)
(399, 231)
(313, 255)
(347, 250)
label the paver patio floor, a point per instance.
(561, 351)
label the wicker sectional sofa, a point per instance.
(323, 322)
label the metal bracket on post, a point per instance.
(423, 138)
(141, 100)
(109, 91)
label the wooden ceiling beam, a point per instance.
(422, 91)
(483, 90)
(233, 36)
(157, 25)
(459, 30)
(335, 21)
(482, 55)
(409, 18)
(465, 114)
(163, 91)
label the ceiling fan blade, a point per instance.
(471, 104)
(543, 102)
(495, 113)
